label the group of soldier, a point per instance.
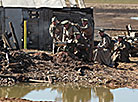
(110, 52)
(77, 40)
(72, 37)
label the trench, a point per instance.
(68, 93)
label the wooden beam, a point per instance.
(14, 36)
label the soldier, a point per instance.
(68, 31)
(55, 31)
(86, 30)
(82, 48)
(103, 51)
(121, 50)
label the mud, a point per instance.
(60, 68)
(115, 16)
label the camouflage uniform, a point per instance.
(103, 53)
(121, 51)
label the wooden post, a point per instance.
(25, 34)
(6, 40)
(14, 36)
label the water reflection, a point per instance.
(75, 94)
(69, 93)
(18, 91)
(57, 93)
(103, 94)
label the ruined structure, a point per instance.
(38, 15)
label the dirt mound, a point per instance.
(61, 68)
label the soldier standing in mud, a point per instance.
(121, 50)
(55, 31)
(103, 51)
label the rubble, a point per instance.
(40, 67)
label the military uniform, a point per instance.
(55, 31)
(121, 51)
(86, 31)
(103, 52)
(82, 48)
(68, 30)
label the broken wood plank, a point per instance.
(14, 35)
(38, 81)
(6, 40)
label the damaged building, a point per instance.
(38, 16)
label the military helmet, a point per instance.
(84, 19)
(101, 30)
(65, 22)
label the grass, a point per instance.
(113, 1)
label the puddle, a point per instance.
(69, 93)
(134, 18)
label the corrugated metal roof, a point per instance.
(32, 3)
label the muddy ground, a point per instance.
(60, 68)
(115, 16)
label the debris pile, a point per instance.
(7, 81)
(61, 68)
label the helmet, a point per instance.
(65, 22)
(101, 30)
(84, 19)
